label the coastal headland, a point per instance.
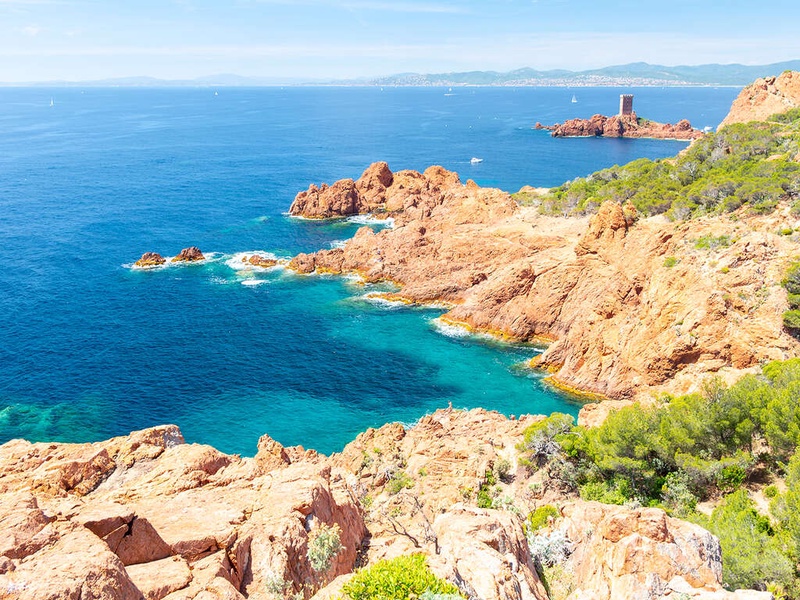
(632, 304)
(620, 322)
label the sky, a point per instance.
(285, 40)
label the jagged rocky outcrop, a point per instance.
(640, 553)
(148, 516)
(629, 126)
(764, 98)
(621, 318)
(190, 254)
(150, 259)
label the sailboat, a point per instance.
(574, 99)
(52, 104)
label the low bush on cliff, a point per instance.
(752, 551)
(744, 164)
(324, 543)
(398, 579)
(791, 282)
(697, 447)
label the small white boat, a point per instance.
(475, 161)
(574, 99)
(52, 104)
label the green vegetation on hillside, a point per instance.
(791, 318)
(399, 579)
(744, 164)
(688, 449)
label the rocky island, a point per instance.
(625, 124)
(678, 285)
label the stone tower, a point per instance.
(625, 104)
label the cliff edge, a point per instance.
(764, 98)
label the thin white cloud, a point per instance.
(374, 5)
(405, 7)
(31, 30)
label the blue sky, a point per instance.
(284, 39)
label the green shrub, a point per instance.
(786, 508)
(540, 441)
(677, 494)
(324, 543)
(616, 491)
(710, 242)
(786, 117)
(791, 281)
(398, 482)
(670, 261)
(502, 469)
(770, 491)
(401, 578)
(731, 477)
(486, 495)
(541, 516)
(751, 554)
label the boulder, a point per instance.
(150, 259)
(621, 552)
(190, 254)
(259, 261)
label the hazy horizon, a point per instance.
(84, 40)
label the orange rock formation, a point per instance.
(764, 98)
(191, 254)
(621, 320)
(150, 259)
(629, 126)
(148, 516)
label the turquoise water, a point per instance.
(90, 348)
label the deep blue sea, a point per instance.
(90, 348)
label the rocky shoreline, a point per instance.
(622, 323)
(149, 516)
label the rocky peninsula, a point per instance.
(620, 323)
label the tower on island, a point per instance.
(625, 104)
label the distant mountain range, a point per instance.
(637, 74)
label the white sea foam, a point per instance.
(338, 243)
(254, 282)
(450, 330)
(371, 220)
(354, 278)
(378, 300)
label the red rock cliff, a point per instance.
(629, 126)
(623, 319)
(764, 98)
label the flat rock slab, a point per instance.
(161, 577)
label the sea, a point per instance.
(92, 178)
